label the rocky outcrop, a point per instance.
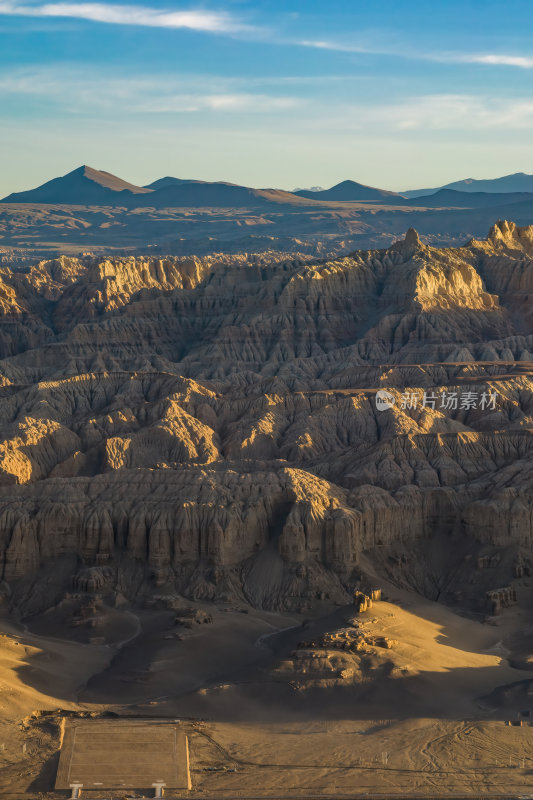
(208, 426)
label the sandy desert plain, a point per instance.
(425, 718)
(195, 480)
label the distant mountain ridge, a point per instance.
(452, 198)
(348, 191)
(95, 186)
(169, 181)
(517, 182)
(87, 186)
(196, 194)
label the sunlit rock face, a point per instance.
(210, 424)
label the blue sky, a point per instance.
(398, 94)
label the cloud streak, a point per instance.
(488, 59)
(446, 112)
(76, 91)
(524, 62)
(338, 47)
(222, 22)
(197, 20)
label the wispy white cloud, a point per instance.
(79, 91)
(243, 102)
(75, 91)
(223, 22)
(321, 44)
(446, 112)
(198, 20)
(238, 102)
(489, 59)
(524, 62)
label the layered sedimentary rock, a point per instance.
(209, 425)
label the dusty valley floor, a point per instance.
(274, 706)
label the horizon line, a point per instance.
(271, 188)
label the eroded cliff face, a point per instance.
(209, 426)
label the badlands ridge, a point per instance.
(207, 426)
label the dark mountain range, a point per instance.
(518, 182)
(82, 186)
(169, 181)
(199, 194)
(451, 198)
(348, 191)
(86, 186)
